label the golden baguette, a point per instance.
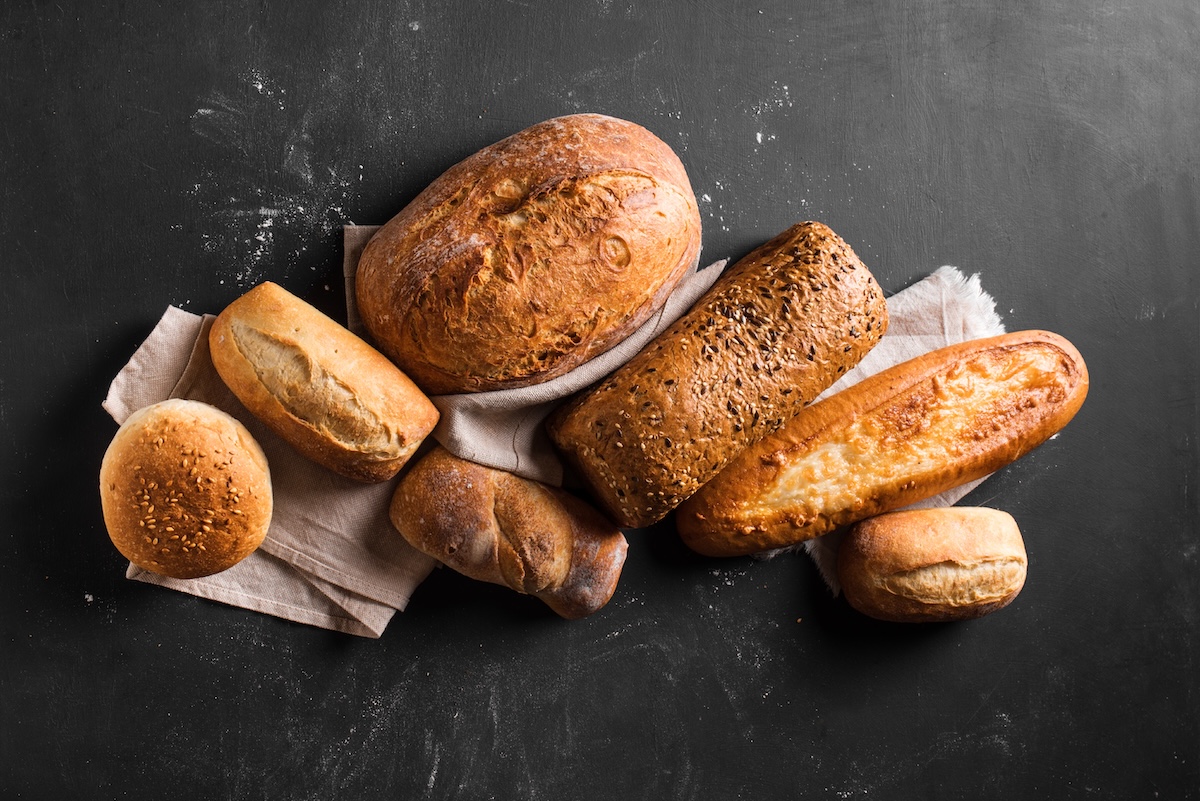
(910, 432)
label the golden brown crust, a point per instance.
(185, 489)
(494, 526)
(531, 256)
(332, 396)
(910, 432)
(931, 565)
(774, 332)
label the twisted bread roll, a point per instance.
(493, 526)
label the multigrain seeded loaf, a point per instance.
(932, 565)
(325, 391)
(774, 332)
(903, 435)
(497, 527)
(531, 256)
(185, 490)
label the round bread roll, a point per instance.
(531, 256)
(931, 565)
(185, 489)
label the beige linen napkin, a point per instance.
(331, 557)
(942, 309)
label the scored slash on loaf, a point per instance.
(775, 331)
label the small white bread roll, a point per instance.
(185, 489)
(930, 565)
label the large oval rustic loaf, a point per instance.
(531, 256)
(932, 565)
(774, 332)
(903, 435)
(328, 393)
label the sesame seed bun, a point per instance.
(185, 489)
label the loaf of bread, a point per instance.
(774, 332)
(185, 490)
(903, 435)
(531, 256)
(328, 393)
(930, 565)
(494, 526)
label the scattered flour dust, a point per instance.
(269, 193)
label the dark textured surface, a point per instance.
(179, 154)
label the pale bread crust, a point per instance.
(531, 256)
(933, 565)
(494, 526)
(777, 329)
(333, 397)
(185, 490)
(733, 514)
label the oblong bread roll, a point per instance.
(328, 393)
(929, 565)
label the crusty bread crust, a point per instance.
(332, 396)
(930, 565)
(906, 434)
(775, 331)
(494, 526)
(531, 256)
(185, 490)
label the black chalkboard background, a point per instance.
(155, 154)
